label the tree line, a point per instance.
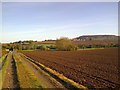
(62, 44)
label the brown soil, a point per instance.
(91, 68)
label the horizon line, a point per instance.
(55, 39)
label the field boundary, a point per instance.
(52, 80)
(21, 74)
(68, 83)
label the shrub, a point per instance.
(65, 44)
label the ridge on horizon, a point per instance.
(105, 35)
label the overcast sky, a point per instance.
(50, 20)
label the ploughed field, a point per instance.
(92, 68)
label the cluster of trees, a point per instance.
(8, 46)
(25, 42)
(27, 47)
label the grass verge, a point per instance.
(25, 77)
(1, 61)
(3, 71)
(90, 49)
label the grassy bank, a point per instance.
(25, 77)
(3, 71)
(2, 68)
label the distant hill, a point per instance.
(80, 39)
(97, 37)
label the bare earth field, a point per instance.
(91, 68)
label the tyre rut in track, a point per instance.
(11, 78)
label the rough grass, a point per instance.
(2, 58)
(4, 68)
(25, 77)
(46, 74)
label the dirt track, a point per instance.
(11, 79)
